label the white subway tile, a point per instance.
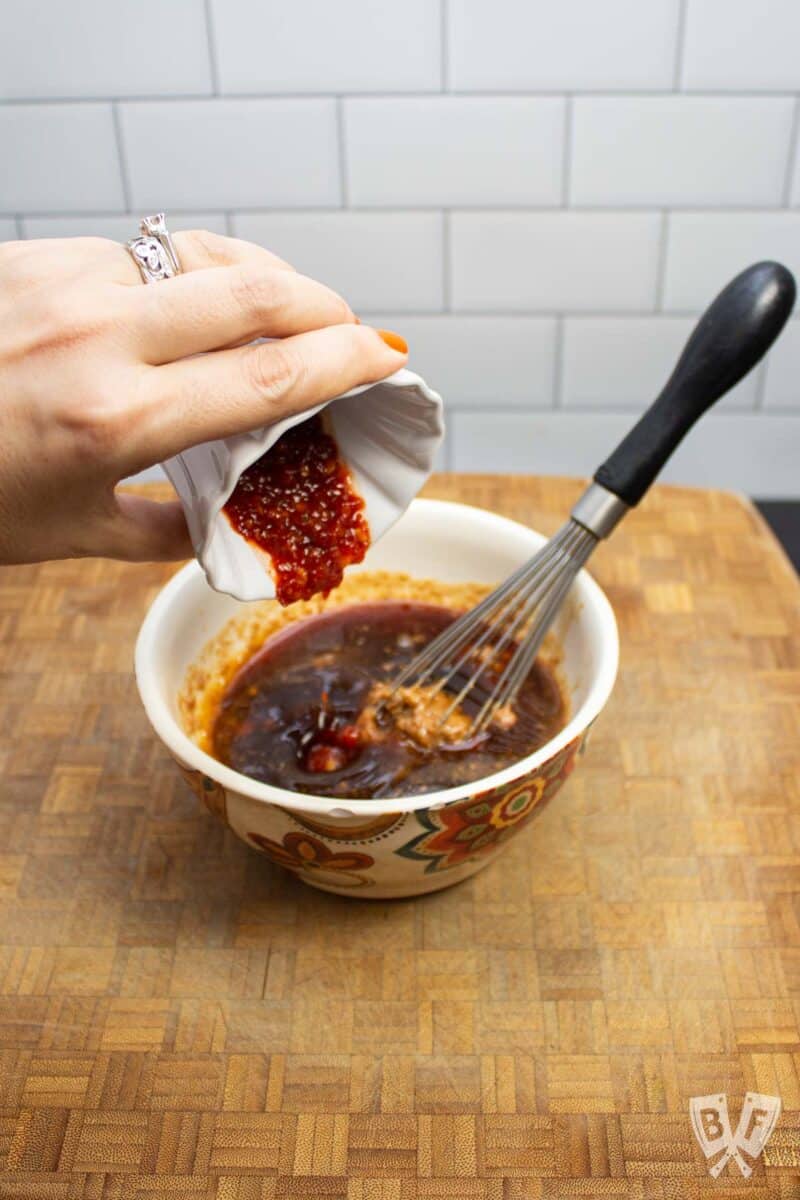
(118, 229)
(705, 251)
(8, 230)
(742, 45)
(58, 158)
(376, 260)
(783, 374)
(225, 153)
(795, 181)
(623, 362)
(478, 362)
(96, 48)
(554, 261)
(545, 443)
(464, 150)
(680, 150)
(756, 453)
(319, 46)
(510, 45)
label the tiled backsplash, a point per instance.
(539, 196)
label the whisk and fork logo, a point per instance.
(712, 1128)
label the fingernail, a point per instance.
(357, 319)
(394, 340)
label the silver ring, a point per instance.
(154, 251)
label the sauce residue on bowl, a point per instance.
(301, 713)
(297, 503)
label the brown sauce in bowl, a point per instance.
(300, 714)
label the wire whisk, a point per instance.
(484, 656)
(464, 653)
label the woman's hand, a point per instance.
(97, 381)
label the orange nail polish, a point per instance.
(357, 320)
(394, 340)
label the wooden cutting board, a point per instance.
(178, 1018)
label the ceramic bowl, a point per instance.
(404, 846)
(388, 433)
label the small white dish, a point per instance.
(388, 433)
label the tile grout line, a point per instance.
(791, 158)
(558, 365)
(761, 387)
(661, 265)
(444, 42)
(548, 314)
(490, 314)
(341, 135)
(446, 262)
(417, 93)
(533, 210)
(212, 47)
(121, 158)
(566, 152)
(489, 408)
(680, 46)
(449, 447)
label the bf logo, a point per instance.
(713, 1129)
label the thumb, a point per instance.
(147, 531)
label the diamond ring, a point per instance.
(153, 251)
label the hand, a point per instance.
(97, 381)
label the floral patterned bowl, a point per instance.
(407, 845)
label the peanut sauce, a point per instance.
(301, 713)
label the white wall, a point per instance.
(539, 195)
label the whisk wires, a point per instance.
(514, 617)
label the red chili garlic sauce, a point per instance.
(298, 504)
(294, 715)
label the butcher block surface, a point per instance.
(181, 1019)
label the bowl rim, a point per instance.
(178, 742)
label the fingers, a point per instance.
(209, 309)
(141, 530)
(233, 391)
(199, 248)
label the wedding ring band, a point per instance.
(154, 251)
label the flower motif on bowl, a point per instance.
(460, 832)
(304, 854)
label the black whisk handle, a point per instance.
(728, 340)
